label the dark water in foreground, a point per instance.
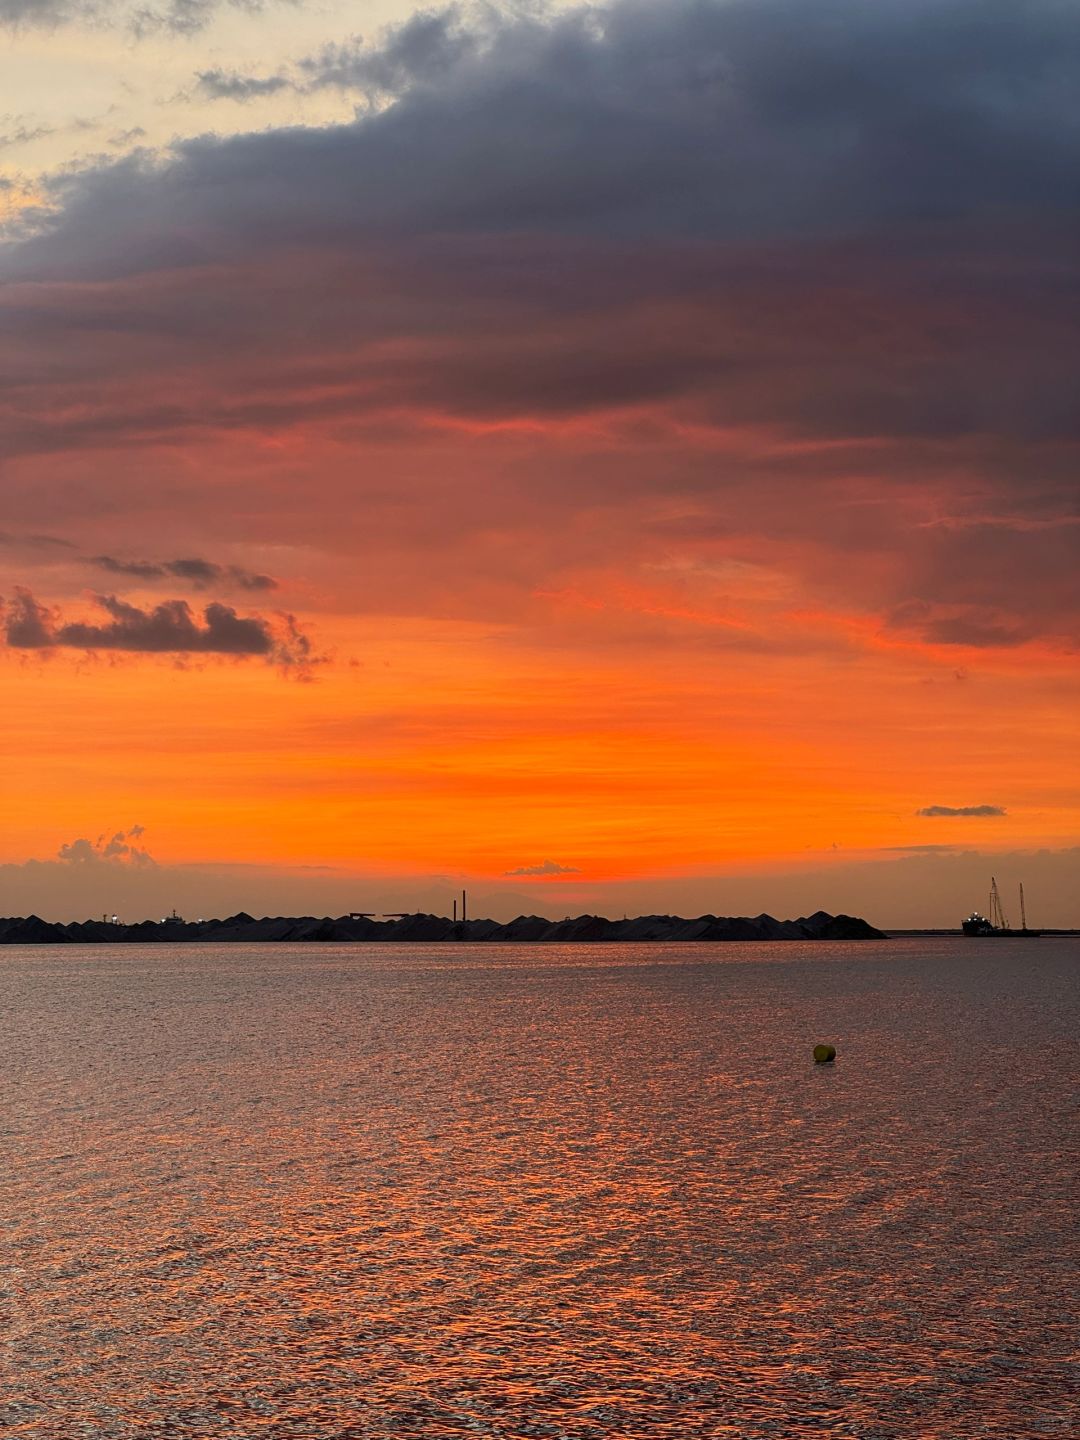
(330, 1191)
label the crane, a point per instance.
(997, 914)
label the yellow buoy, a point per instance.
(824, 1053)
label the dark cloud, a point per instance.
(976, 811)
(141, 569)
(547, 867)
(718, 121)
(868, 232)
(28, 625)
(168, 628)
(199, 572)
(853, 226)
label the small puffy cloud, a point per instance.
(220, 84)
(198, 571)
(425, 48)
(123, 138)
(168, 628)
(966, 811)
(547, 867)
(119, 848)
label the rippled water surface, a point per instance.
(340, 1191)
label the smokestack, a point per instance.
(455, 912)
(463, 911)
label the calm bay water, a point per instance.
(346, 1191)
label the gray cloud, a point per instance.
(200, 572)
(123, 138)
(168, 628)
(853, 223)
(426, 49)
(25, 132)
(25, 135)
(177, 17)
(121, 848)
(786, 204)
(976, 811)
(42, 12)
(228, 85)
(141, 569)
(547, 867)
(706, 120)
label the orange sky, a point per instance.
(551, 514)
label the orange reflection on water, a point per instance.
(325, 1191)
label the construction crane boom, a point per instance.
(997, 913)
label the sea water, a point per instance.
(586, 1191)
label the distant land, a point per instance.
(32, 930)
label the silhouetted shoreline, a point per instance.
(421, 928)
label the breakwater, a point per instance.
(32, 930)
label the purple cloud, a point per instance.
(168, 628)
(200, 572)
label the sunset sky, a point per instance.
(618, 458)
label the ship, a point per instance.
(997, 923)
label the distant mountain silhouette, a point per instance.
(422, 928)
